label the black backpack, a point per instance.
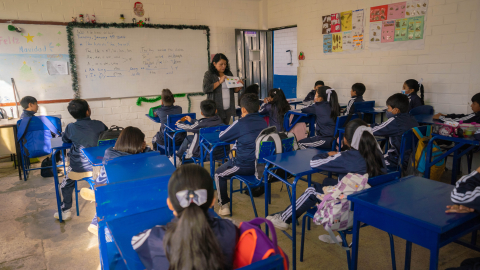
(47, 162)
(112, 133)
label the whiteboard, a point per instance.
(24, 56)
(127, 62)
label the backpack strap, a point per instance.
(417, 133)
(259, 221)
(49, 125)
(429, 131)
(23, 127)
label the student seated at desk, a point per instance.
(275, 106)
(399, 121)
(466, 199)
(82, 134)
(191, 144)
(466, 118)
(194, 239)
(311, 95)
(364, 156)
(411, 88)
(244, 131)
(356, 93)
(252, 89)
(131, 141)
(163, 112)
(29, 105)
(326, 109)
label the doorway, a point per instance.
(285, 60)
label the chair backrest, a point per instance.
(172, 119)
(288, 145)
(213, 129)
(271, 263)
(382, 179)
(266, 149)
(365, 105)
(425, 109)
(409, 140)
(340, 125)
(107, 142)
(34, 134)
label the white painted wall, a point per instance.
(449, 64)
(283, 40)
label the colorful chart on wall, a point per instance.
(344, 31)
(27, 56)
(398, 26)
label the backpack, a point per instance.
(254, 245)
(416, 163)
(112, 133)
(267, 135)
(334, 212)
(300, 129)
(3, 114)
(36, 143)
(47, 162)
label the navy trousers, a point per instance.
(225, 172)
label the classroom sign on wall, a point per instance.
(343, 32)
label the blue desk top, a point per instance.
(416, 200)
(95, 154)
(470, 140)
(213, 138)
(424, 118)
(296, 162)
(154, 119)
(57, 143)
(140, 166)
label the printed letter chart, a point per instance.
(346, 20)
(336, 26)
(326, 24)
(337, 43)
(396, 11)
(347, 41)
(401, 29)
(327, 43)
(388, 31)
(357, 21)
(415, 28)
(378, 13)
(375, 32)
(416, 8)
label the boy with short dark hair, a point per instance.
(399, 121)
(163, 112)
(82, 134)
(466, 118)
(29, 105)
(191, 144)
(244, 132)
(311, 95)
(356, 93)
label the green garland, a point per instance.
(71, 45)
(155, 99)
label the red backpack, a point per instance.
(254, 245)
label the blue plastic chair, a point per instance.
(169, 134)
(37, 128)
(425, 109)
(208, 142)
(205, 153)
(272, 263)
(374, 181)
(409, 141)
(340, 125)
(107, 142)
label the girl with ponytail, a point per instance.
(194, 239)
(411, 88)
(275, 106)
(326, 109)
(364, 156)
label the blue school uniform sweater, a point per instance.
(325, 126)
(466, 118)
(349, 161)
(26, 113)
(82, 134)
(414, 100)
(351, 104)
(310, 96)
(269, 110)
(394, 128)
(244, 131)
(467, 191)
(163, 112)
(150, 249)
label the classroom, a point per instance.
(312, 134)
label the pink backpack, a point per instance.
(300, 130)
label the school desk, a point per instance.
(139, 166)
(369, 108)
(95, 154)
(297, 163)
(58, 145)
(412, 208)
(155, 119)
(5, 123)
(208, 142)
(299, 117)
(424, 119)
(462, 147)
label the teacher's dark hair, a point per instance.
(216, 59)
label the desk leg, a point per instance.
(408, 255)
(212, 168)
(355, 238)
(294, 223)
(19, 154)
(455, 164)
(434, 259)
(57, 192)
(267, 192)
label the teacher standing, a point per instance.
(215, 87)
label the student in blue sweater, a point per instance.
(326, 109)
(356, 93)
(195, 239)
(411, 88)
(311, 95)
(167, 108)
(244, 132)
(275, 106)
(29, 105)
(364, 156)
(465, 118)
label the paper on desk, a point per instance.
(57, 67)
(233, 82)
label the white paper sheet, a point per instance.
(57, 68)
(232, 82)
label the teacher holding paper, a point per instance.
(215, 87)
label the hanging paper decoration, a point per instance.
(138, 9)
(301, 56)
